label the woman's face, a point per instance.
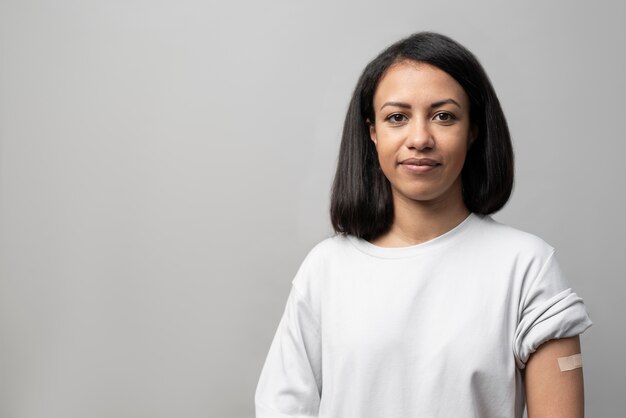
(421, 131)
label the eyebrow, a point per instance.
(443, 102)
(432, 106)
(396, 104)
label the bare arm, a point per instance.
(551, 392)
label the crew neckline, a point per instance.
(412, 250)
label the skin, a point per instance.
(549, 391)
(422, 112)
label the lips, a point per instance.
(419, 166)
(420, 162)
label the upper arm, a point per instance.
(551, 392)
(290, 384)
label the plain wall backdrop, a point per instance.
(165, 166)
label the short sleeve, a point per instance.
(291, 380)
(549, 310)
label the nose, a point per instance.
(419, 136)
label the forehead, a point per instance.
(418, 83)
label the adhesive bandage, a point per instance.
(571, 362)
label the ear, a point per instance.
(372, 128)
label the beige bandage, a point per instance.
(571, 362)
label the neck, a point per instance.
(416, 222)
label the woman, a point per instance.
(422, 305)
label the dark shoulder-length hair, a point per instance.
(361, 199)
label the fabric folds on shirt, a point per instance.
(291, 381)
(440, 329)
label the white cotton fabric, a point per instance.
(440, 329)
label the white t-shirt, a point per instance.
(440, 329)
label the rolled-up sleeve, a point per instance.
(290, 384)
(549, 309)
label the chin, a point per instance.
(427, 195)
(422, 196)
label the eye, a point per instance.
(396, 118)
(444, 117)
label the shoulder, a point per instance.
(524, 258)
(506, 239)
(329, 246)
(324, 252)
(313, 272)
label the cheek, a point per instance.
(458, 158)
(461, 153)
(386, 160)
(459, 163)
(459, 144)
(387, 146)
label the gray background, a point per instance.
(165, 166)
